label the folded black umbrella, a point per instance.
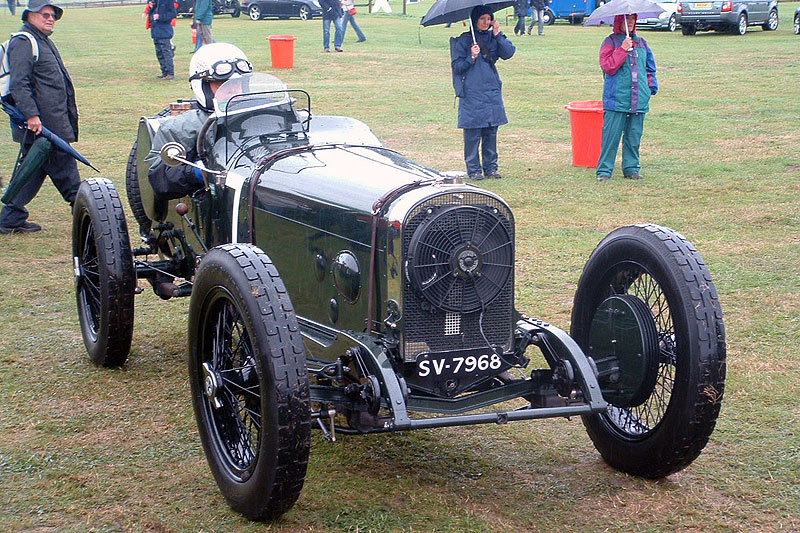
(33, 161)
(19, 120)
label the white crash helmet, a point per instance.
(215, 62)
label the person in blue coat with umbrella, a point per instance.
(480, 106)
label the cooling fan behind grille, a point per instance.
(460, 257)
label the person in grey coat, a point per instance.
(537, 11)
(42, 90)
(481, 109)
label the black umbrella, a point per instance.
(19, 120)
(448, 11)
(25, 168)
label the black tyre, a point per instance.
(772, 21)
(255, 12)
(797, 24)
(304, 13)
(249, 382)
(237, 9)
(549, 17)
(132, 186)
(134, 195)
(669, 429)
(104, 274)
(672, 25)
(688, 29)
(740, 28)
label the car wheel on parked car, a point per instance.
(741, 26)
(688, 29)
(549, 18)
(304, 13)
(672, 25)
(249, 382)
(797, 23)
(660, 272)
(104, 274)
(772, 21)
(255, 12)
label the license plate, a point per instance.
(434, 366)
(703, 5)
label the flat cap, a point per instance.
(34, 6)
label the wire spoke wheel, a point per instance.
(105, 278)
(250, 388)
(638, 421)
(233, 395)
(668, 429)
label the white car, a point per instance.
(668, 20)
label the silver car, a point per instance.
(668, 20)
(728, 15)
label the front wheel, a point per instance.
(237, 9)
(672, 25)
(740, 28)
(104, 274)
(772, 21)
(549, 17)
(304, 13)
(250, 387)
(663, 431)
(255, 12)
(797, 24)
(688, 29)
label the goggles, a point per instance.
(222, 70)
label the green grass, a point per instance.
(87, 449)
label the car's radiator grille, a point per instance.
(447, 235)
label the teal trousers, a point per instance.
(629, 127)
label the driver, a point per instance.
(210, 67)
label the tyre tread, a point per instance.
(705, 407)
(111, 232)
(287, 360)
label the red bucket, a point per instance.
(586, 119)
(282, 50)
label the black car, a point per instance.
(218, 7)
(336, 284)
(284, 9)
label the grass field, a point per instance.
(87, 449)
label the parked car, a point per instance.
(284, 9)
(728, 15)
(797, 21)
(668, 20)
(335, 283)
(218, 7)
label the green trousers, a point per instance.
(628, 126)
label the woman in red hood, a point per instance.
(629, 69)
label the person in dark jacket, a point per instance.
(480, 108)
(332, 12)
(520, 12)
(162, 13)
(42, 90)
(629, 69)
(537, 14)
